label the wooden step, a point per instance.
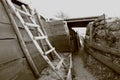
(49, 51)
(20, 11)
(40, 37)
(31, 25)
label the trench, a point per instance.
(77, 32)
(79, 70)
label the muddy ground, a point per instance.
(79, 71)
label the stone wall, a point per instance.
(102, 57)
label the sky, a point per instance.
(77, 8)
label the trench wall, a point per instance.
(13, 62)
(58, 34)
(102, 51)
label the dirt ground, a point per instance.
(80, 73)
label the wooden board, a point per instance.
(60, 42)
(39, 62)
(16, 70)
(106, 49)
(26, 73)
(25, 36)
(37, 58)
(9, 50)
(3, 15)
(56, 28)
(6, 31)
(103, 59)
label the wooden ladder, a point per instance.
(35, 39)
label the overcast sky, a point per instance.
(77, 8)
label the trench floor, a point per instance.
(79, 72)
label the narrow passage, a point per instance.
(80, 72)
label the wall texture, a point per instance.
(13, 62)
(102, 57)
(58, 34)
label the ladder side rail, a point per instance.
(24, 8)
(40, 22)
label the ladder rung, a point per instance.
(40, 37)
(23, 12)
(49, 51)
(32, 25)
(59, 64)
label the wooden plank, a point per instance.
(9, 50)
(16, 70)
(91, 34)
(49, 51)
(60, 42)
(37, 58)
(3, 15)
(69, 74)
(31, 47)
(69, 77)
(106, 49)
(31, 25)
(25, 36)
(56, 29)
(6, 31)
(26, 73)
(22, 12)
(9, 70)
(105, 60)
(39, 62)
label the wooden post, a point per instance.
(69, 75)
(91, 30)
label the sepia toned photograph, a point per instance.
(59, 40)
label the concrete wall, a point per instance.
(59, 35)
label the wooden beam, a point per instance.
(69, 74)
(106, 49)
(103, 59)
